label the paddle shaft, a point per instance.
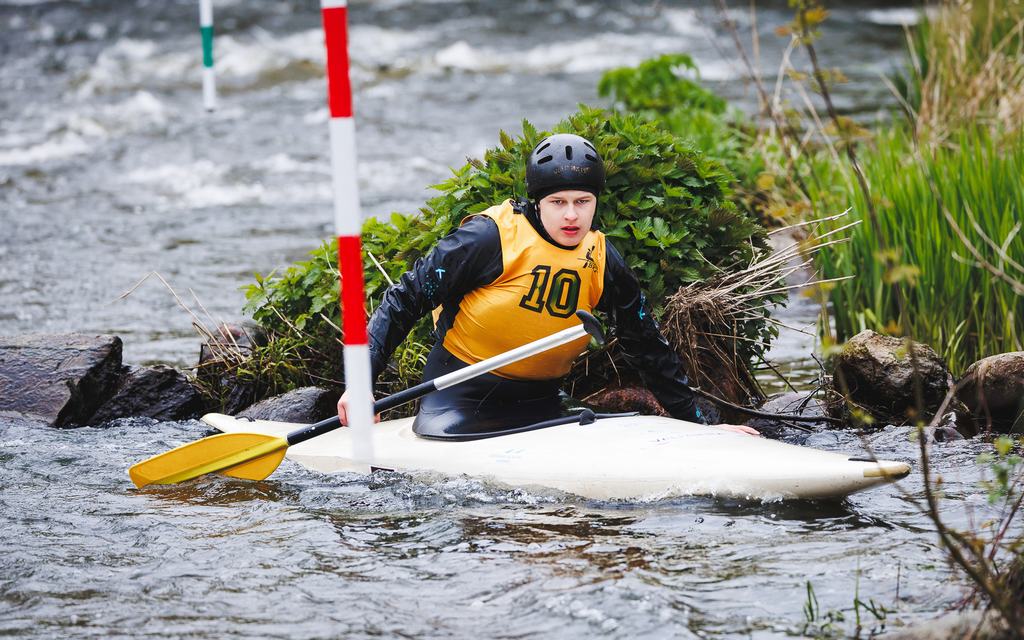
(590, 326)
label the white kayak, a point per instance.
(619, 458)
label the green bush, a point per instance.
(660, 91)
(658, 86)
(667, 208)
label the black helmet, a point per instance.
(563, 161)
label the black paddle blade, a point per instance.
(591, 325)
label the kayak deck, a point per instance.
(621, 458)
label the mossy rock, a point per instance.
(877, 374)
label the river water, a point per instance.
(110, 170)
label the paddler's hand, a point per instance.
(343, 410)
(740, 428)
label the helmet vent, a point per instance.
(590, 157)
(545, 159)
(568, 152)
(542, 147)
(589, 146)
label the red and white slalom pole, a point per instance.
(348, 223)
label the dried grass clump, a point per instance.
(967, 68)
(700, 322)
(705, 321)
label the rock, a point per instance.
(947, 430)
(821, 439)
(626, 399)
(642, 400)
(304, 405)
(993, 390)
(978, 625)
(879, 375)
(1013, 579)
(218, 360)
(158, 392)
(238, 396)
(801, 404)
(230, 340)
(60, 379)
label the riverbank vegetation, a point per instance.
(937, 187)
(937, 256)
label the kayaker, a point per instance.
(514, 273)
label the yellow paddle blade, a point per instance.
(244, 454)
(259, 468)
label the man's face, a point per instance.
(566, 215)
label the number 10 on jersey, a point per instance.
(560, 298)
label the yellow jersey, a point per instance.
(540, 288)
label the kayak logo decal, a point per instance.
(589, 262)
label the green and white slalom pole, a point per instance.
(206, 31)
(347, 223)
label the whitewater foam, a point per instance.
(896, 16)
(598, 53)
(58, 147)
(80, 131)
(284, 163)
(198, 184)
(686, 22)
(243, 59)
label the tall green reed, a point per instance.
(952, 303)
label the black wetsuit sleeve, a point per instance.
(643, 345)
(465, 259)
